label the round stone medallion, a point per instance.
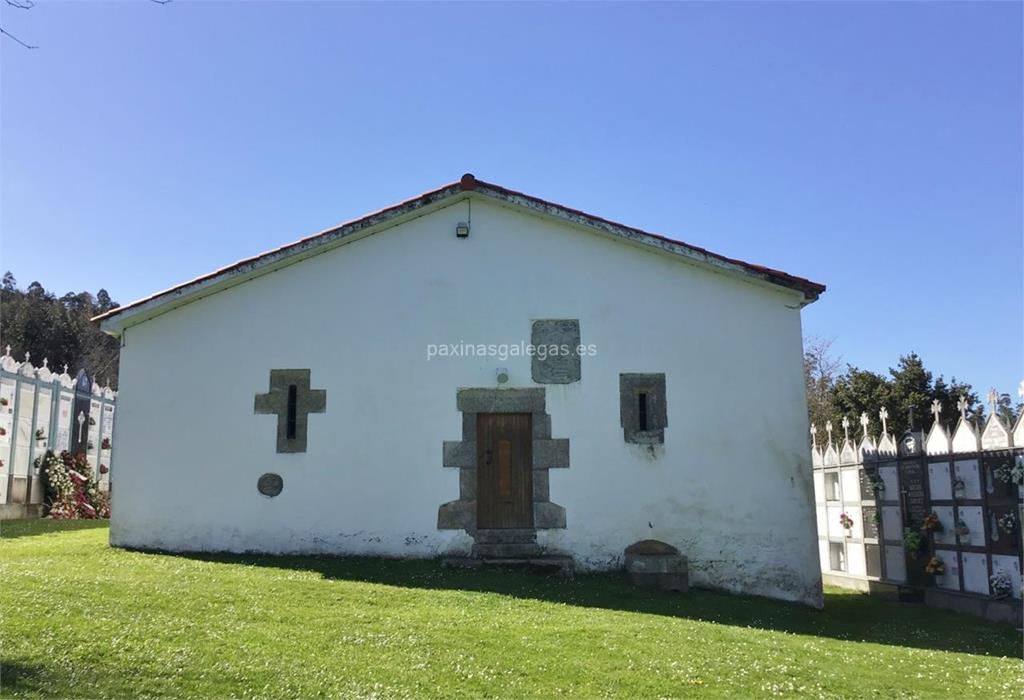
(270, 485)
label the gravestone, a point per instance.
(80, 410)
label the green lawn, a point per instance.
(80, 619)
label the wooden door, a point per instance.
(504, 463)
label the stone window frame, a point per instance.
(631, 385)
(275, 402)
(548, 453)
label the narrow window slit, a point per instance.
(642, 410)
(293, 397)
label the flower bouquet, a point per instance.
(935, 567)
(959, 487)
(961, 529)
(1007, 523)
(876, 481)
(1011, 472)
(846, 521)
(932, 523)
(105, 444)
(913, 542)
(1001, 585)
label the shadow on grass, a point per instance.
(847, 616)
(17, 677)
(13, 529)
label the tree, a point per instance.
(820, 370)
(906, 393)
(58, 329)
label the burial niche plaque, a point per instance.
(270, 485)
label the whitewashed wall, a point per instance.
(731, 486)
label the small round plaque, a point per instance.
(270, 484)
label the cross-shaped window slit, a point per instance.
(293, 398)
(641, 410)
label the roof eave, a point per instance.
(810, 290)
(116, 320)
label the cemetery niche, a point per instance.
(928, 515)
(46, 415)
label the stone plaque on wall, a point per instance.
(556, 358)
(867, 490)
(873, 560)
(270, 484)
(912, 476)
(967, 471)
(870, 513)
(939, 483)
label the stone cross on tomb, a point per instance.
(962, 405)
(292, 400)
(993, 400)
(828, 429)
(884, 415)
(81, 424)
(814, 435)
(936, 409)
(864, 422)
(846, 429)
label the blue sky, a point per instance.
(875, 147)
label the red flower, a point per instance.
(104, 469)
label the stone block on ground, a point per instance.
(655, 564)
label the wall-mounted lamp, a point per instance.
(501, 375)
(462, 229)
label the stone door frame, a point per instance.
(548, 453)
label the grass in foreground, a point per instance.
(80, 619)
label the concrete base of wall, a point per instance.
(852, 582)
(20, 511)
(858, 583)
(1007, 610)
